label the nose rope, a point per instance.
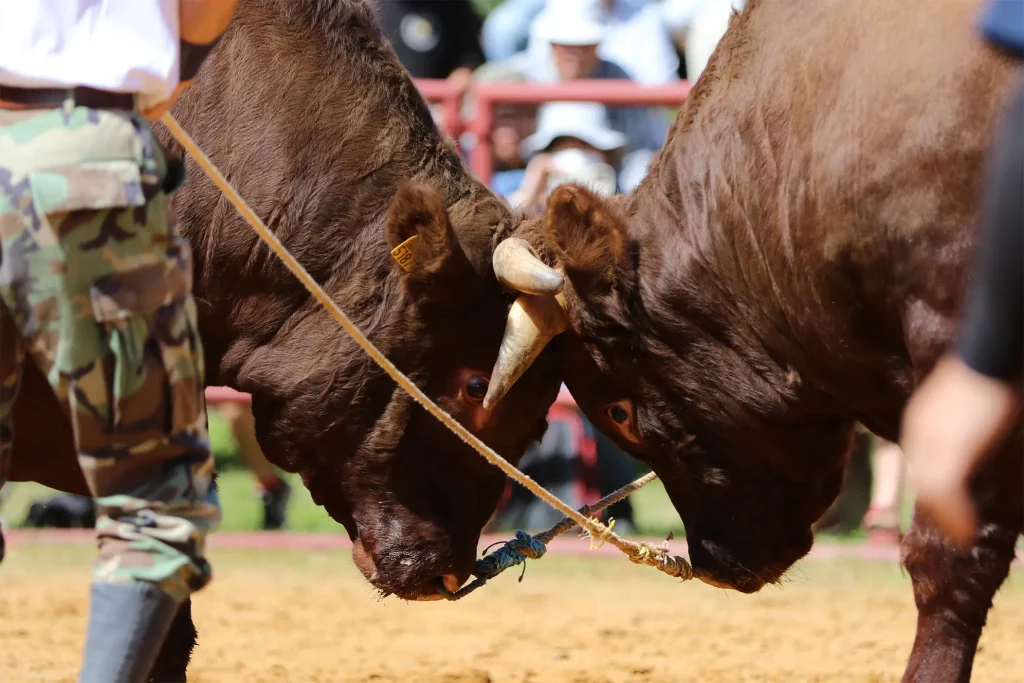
(637, 552)
(526, 547)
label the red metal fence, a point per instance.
(486, 95)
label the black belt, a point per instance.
(48, 98)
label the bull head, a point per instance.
(536, 317)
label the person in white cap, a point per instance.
(635, 35)
(573, 31)
(573, 143)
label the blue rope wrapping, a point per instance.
(517, 551)
(526, 547)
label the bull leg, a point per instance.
(173, 660)
(954, 590)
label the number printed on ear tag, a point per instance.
(403, 254)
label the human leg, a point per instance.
(274, 491)
(101, 285)
(883, 516)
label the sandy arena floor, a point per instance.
(291, 616)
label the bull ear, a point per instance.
(420, 235)
(588, 236)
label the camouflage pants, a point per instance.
(95, 284)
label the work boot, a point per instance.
(127, 626)
(275, 504)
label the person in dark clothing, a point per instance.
(555, 463)
(615, 469)
(63, 511)
(433, 39)
(965, 407)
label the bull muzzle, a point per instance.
(537, 316)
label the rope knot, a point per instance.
(516, 551)
(642, 555)
(658, 557)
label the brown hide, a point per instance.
(795, 263)
(44, 446)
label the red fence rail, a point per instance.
(486, 95)
(449, 95)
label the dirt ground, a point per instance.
(290, 616)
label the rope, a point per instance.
(597, 531)
(526, 547)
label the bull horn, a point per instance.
(518, 269)
(533, 321)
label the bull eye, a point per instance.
(476, 387)
(622, 414)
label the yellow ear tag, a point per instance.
(403, 254)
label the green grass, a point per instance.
(653, 512)
(242, 510)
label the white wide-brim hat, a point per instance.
(570, 22)
(586, 121)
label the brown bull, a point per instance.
(794, 263)
(305, 108)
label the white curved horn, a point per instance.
(518, 269)
(533, 321)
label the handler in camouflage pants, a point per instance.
(95, 284)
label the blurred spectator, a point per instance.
(846, 514)
(574, 32)
(639, 41)
(697, 26)
(274, 491)
(882, 520)
(433, 39)
(636, 37)
(872, 493)
(510, 125)
(506, 29)
(694, 26)
(66, 510)
(556, 463)
(62, 511)
(615, 469)
(573, 143)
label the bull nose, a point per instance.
(743, 583)
(411, 576)
(438, 587)
(712, 581)
(715, 566)
(451, 582)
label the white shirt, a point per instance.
(114, 45)
(704, 22)
(636, 38)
